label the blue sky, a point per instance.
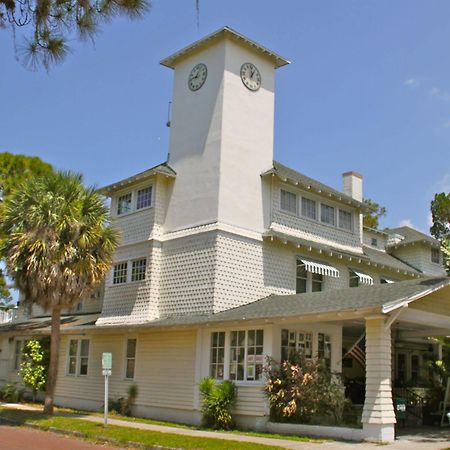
(368, 90)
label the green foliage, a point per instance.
(440, 212)
(14, 171)
(124, 405)
(17, 169)
(34, 366)
(301, 390)
(371, 218)
(122, 436)
(10, 393)
(217, 401)
(57, 244)
(52, 22)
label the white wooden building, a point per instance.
(227, 256)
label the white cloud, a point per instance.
(406, 223)
(442, 185)
(430, 219)
(440, 94)
(412, 82)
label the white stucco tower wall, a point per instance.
(221, 135)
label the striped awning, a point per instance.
(320, 268)
(363, 278)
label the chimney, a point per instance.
(353, 185)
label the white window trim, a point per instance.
(226, 360)
(133, 192)
(297, 197)
(130, 267)
(129, 264)
(352, 218)
(125, 359)
(78, 357)
(432, 251)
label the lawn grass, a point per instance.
(122, 436)
(114, 415)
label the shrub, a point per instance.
(301, 391)
(33, 368)
(124, 405)
(10, 393)
(217, 401)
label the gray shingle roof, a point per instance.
(382, 297)
(411, 235)
(385, 259)
(305, 182)
(336, 300)
(163, 169)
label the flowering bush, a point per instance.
(301, 389)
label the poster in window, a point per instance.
(259, 359)
(250, 372)
(250, 359)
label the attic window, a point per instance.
(124, 204)
(374, 242)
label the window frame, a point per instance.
(134, 272)
(134, 199)
(227, 361)
(435, 252)
(327, 206)
(287, 191)
(78, 357)
(310, 279)
(345, 211)
(308, 199)
(19, 344)
(127, 358)
(123, 276)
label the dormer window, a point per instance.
(124, 204)
(288, 201)
(374, 242)
(435, 256)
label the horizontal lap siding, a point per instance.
(166, 369)
(165, 366)
(251, 400)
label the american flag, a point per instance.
(358, 350)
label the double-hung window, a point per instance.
(345, 220)
(217, 360)
(130, 358)
(307, 280)
(327, 214)
(120, 273)
(435, 255)
(237, 355)
(309, 208)
(288, 201)
(124, 204)
(138, 268)
(78, 361)
(144, 198)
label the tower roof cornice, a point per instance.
(173, 59)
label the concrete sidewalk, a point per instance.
(434, 439)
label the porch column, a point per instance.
(378, 416)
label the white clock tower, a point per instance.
(221, 131)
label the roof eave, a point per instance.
(172, 60)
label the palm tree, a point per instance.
(58, 247)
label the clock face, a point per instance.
(250, 76)
(197, 77)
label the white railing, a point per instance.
(9, 315)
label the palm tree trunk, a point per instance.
(53, 366)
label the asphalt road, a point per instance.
(21, 438)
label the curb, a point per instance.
(79, 434)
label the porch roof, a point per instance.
(379, 298)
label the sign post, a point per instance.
(107, 369)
